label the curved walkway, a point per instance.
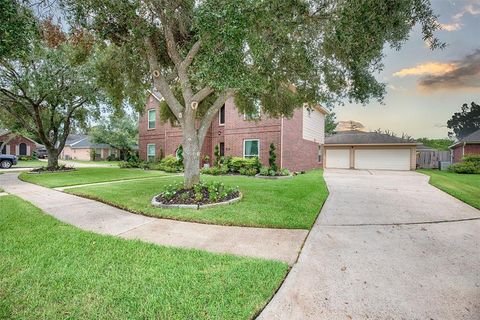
(387, 245)
(276, 244)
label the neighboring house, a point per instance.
(369, 150)
(80, 146)
(18, 145)
(297, 140)
(468, 145)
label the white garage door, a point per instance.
(383, 159)
(337, 158)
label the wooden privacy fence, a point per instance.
(428, 159)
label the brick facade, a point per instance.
(460, 151)
(19, 146)
(298, 154)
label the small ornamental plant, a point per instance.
(201, 193)
(272, 158)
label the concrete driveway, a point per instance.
(386, 246)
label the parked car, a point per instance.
(41, 153)
(7, 161)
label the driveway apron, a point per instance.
(387, 245)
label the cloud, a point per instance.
(465, 75)
(456, 25)
(460, 74)
(451, 26)
(435, 68)
(470, 9)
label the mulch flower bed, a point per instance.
(200, 194)
(51, 170)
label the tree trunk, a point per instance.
(52, 158)
(191, 156)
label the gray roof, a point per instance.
(82, 141)
(472, 137)
(360, 137)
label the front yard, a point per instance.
(87, 175)
(51, 270)
(291, 203)
(465, 187)
(30, 164)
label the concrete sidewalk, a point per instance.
(276, 244)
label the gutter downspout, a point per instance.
(281, 143)
(463, 149)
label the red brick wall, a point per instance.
(468, 149)
(472, 149)
(16, 142)
(298, 154)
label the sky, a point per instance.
(425, 87)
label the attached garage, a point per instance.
(338, 158)
(369, 150)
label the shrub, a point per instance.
(465, 167)
(167, 164)
(273, 158)
(263, 171)
(180, 155)
(284, 172)
(216, 153)
(25, 158)
(473, 158)
(237, 163)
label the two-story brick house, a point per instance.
(297, 140)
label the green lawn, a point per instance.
(50, 270)
(87, 175)
(465, 187)
(30, 164)
(102, 162)
(290, 203)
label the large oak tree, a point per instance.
(50, 87)
(280, 53)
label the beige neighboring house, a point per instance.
(79, 147)
(369, 150)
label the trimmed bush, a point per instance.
(465, 167)
(236, 163)
(273, 157)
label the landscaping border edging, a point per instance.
(158, 204)
(273, 177)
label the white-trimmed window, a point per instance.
(251, 148)
(221, 116)
(151, 152)
(151, 118)
(256, 114)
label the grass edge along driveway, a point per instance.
(52, 270)
(87, 175)
(290, 203)
(465, 187)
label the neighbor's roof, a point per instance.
(82, 141)
(359, 137)
(472, 138)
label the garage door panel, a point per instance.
(338, 158)
(382, 159)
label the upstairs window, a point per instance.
(221, 115)
(251, 148)
(151, 118)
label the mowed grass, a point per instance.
(50, 270)
(288, 203)
(87, 175)
(101, 162)
(29, 164)
(465, 187)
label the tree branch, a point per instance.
(160, 82)
(191, 54)
(202, 94)
(212, 111)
